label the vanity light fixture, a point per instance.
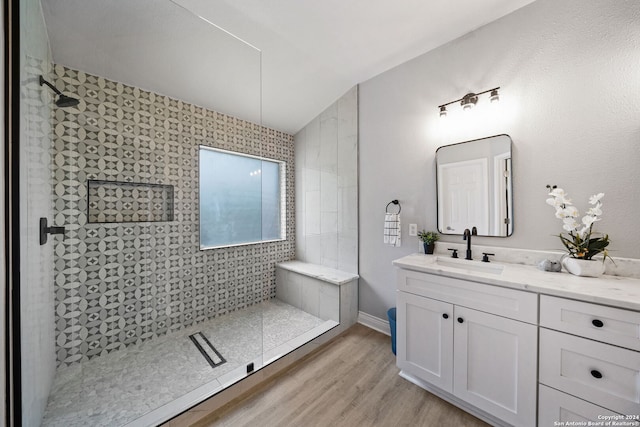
(470, 100)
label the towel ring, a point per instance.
(395, 202)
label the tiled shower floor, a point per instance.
(118, 388)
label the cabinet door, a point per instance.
(425, 339)
(495, 365)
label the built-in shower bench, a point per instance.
(321, 291)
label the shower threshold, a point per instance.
(150, 382)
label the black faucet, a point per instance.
(467, 236)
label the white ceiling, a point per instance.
(312, 51)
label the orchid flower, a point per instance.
(570, 224)
(587, 220)
(580, 242)
(596, 210)
(560, 196)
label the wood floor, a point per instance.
(352, 381)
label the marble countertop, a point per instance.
(337, 277)
(622, 292)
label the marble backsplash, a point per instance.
(624, 267)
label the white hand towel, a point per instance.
(392, 229)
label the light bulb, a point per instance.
(494, 97)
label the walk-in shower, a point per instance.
(125, 317)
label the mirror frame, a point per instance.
(508, 189)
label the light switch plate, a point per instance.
(413, 229)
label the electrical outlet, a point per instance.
(413, 229)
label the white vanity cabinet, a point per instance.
(475, 343)
(589, 361)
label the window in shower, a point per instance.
(241, 199)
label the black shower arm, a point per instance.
(44, 82)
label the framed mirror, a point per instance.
(474, 187)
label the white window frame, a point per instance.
(282, 171)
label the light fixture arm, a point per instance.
(469, 96)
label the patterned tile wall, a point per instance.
(123, 283)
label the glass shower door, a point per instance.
(142, 323)
(36, 257)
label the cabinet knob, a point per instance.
(597, 323)
(445, 315)
(596, 374)
(460, 320)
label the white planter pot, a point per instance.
(584, 267)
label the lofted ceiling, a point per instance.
(300, 55)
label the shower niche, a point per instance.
(115, 201)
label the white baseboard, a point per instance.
(374, 322)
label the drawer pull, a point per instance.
(445, 315)
(597, 323)
(596, 374)
(460, 320)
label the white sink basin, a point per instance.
(463, 264)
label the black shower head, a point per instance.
(66, 101)
(63, 100)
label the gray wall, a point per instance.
(326, 153)
(36, 262)
(569, 100)
(123, 283)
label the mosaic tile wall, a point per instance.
(124, 283)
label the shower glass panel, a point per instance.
(37, 339)
(124, 318)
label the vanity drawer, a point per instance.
(606, 324)
(557, 407)
(511, 303)
(599, 373)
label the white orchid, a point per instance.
(580, 242)
(569, 211)
(560, 196)
(570, 224)
(588, 220)
(596, 210)
(554, 202)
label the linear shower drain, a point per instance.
(209, 352)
